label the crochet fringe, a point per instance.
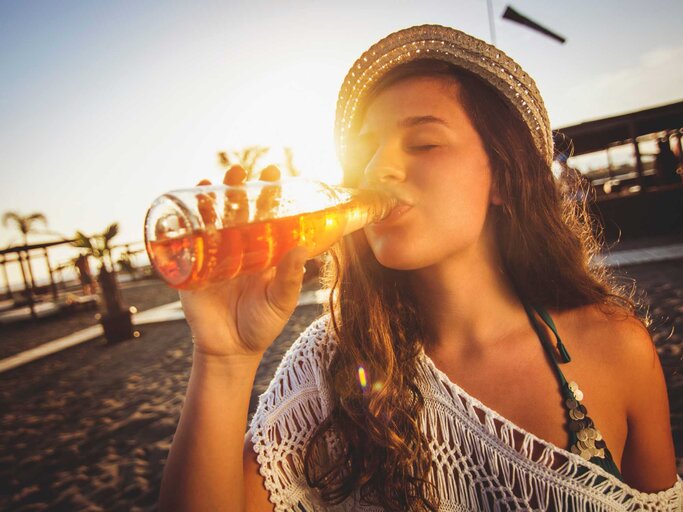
(481, 461)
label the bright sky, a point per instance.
(106, 105)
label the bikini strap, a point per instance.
(566, 358)
(546, 343)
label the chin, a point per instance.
(399, 259)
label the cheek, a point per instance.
(457, 194)
(453, 205)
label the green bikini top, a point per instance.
(584, 439)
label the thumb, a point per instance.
(283, 290)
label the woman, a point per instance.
(468, 289)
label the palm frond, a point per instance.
(82, 241)
(11, 217)
(111, 231)
(289, 162)
(36, 217)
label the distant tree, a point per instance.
(98, 246)
(247, 157)
(116, 318)
(25, 224)
(250, 156)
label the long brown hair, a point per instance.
(546, 244)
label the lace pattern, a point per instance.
(481, 460)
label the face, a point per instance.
(417, 141)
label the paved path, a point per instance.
(647, 255)
(165, 313)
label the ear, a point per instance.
(494, 196)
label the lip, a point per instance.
(398, 212)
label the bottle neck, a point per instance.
(366, 207)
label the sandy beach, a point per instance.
(89, 428)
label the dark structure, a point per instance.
(644, 204)
(22, 254)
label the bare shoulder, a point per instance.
(613, 350)
(616, 349)
(613, 336)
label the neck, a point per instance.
(468, 300)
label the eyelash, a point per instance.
(424, 147)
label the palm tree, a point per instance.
(25, 224)
(97, 245)
(116, 317)
(246, 157)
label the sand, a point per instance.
(89, 428)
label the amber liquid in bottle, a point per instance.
(193, 261)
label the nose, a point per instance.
(385, 167)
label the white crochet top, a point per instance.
(485, 463)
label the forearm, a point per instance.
(204, 467)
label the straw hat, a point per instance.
(454, 47)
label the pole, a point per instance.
(30, 269)
(639, 160)
(492, 25)
(6, 276)
(610, 164)
(27, 288)
(53, 286)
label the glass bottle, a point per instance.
(211, 233)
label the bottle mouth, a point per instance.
(384, 203)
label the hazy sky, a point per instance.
(106, 105)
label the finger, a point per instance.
(234, 176)
(236, 206)
(270, 173)
(282, 292)
(205, 204)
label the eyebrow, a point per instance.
(409, 122)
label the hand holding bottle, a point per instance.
(243, 316)
(197, 238)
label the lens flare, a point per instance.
(361, 377)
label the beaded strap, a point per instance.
(585, 440)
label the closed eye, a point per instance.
(423, 147)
